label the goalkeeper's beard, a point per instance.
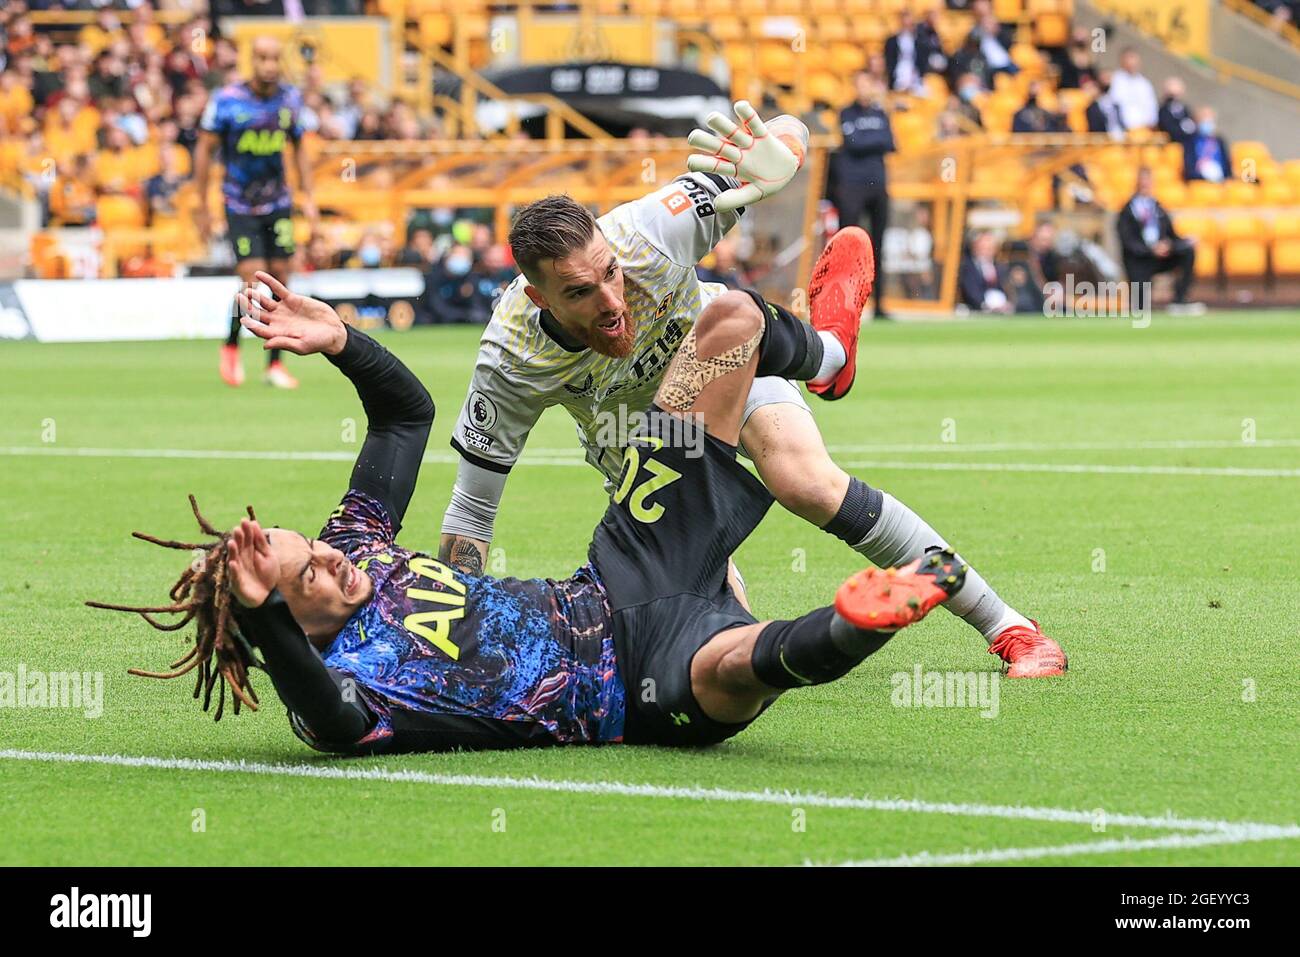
(617, 348)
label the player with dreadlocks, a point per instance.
(202, 592)
(376, 648)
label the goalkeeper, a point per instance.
(600, 309)
(375, 648)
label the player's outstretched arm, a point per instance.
(399, 411)
(765, 158)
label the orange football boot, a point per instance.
(887, 599)
(841, 284)
(1029, 653)
(232, 370)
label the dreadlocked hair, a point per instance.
(202, 594)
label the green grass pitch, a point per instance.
(1102, 477)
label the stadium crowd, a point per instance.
(103, 128)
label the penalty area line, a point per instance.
(1236, 835)
(1169, 822)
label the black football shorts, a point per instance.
(682, 506)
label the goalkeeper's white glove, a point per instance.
(763, 158)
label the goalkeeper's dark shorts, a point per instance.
(682, 506)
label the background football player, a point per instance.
(645, 644)
(253, 122)
(603, 304)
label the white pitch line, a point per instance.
(1075, 469)
(1169, 444)
(614, 788)
(1237, 835)
(447, 458)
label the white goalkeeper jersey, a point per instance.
(522, 369)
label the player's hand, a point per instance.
(299, 324)
(762, 160)
(253, 568)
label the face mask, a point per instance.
(458, 265)
(369, 255)
(968, 93)
(1207, 128)
(443, 217)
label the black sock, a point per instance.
(275, 356)
(233, 337)
(858, 513)
(812, 650)
(790, 348)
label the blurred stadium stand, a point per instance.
(415, 128)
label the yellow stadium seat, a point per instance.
(861, 6)
(1207, 261)
(1027, 57)
(827, 29)
(1203, 193)
(118, 212)
(826, 87)
(418, 8)
(869, 31)
(435, 29)
(1204, 227)
(1250, 149)
(1007, 10)
(776, 61)
(911, 129)
(718, 8)
(751, 8)
(1237, 193)
(1285, 226)
(823, 6)
(1172, 194)
(1286, 257)
(847, 58)
(726, 28)
(683, 9)
(1245, 258)
(1051, 29)
(1291, 170)
(1241, 226)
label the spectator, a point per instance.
(1033, 117)
(969, 89)
(861, 186)
(1076, 61)
(160, 190)
(1133, 93)
(451, 294)
(907, 55)
(1103, 113)
(1205, 153)
(419, 250)
(994, 43)
(1150, 245)
(983, 282)
(1040, 268)
(970, 60)
(108, 81)
(1175, 119)
(933, 60)
(72, 195)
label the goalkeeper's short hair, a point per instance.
(550, 228)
